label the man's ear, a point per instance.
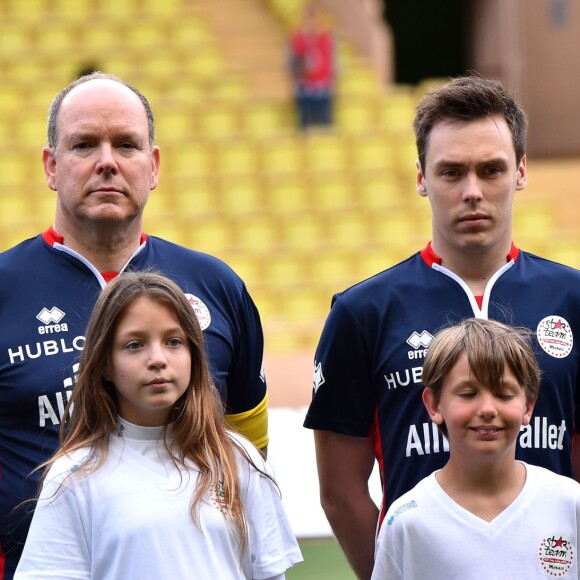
(432, 406)
(420, 180)
(522, 175)
(49, 165)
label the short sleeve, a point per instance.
(56, 546)
(343, 400)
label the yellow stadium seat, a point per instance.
(189, 32)
(194, 198)
(212, 235)
(332, 192)
(372, 152)
(397, 113)
(348, 231)
(217, 121)
(256, 234)
(263, 119)
(325, 152)
(305, 232)
(282, 156)
(175, 125)
(190, 158)
(378, 190)
(287, 194)
(356, 115)
(288, 268)
(239, 195)
(236, 157)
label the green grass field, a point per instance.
(323, 560)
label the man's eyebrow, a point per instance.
(451, 163)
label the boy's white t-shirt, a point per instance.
(425, 534)
(131, 519)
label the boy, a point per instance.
(484, 514)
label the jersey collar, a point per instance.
(430, 257)
(51, 237)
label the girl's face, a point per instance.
(150, 363)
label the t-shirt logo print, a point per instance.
(556, 553)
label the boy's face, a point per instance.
(478, 420)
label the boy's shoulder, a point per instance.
(546, 478)
(413, 500)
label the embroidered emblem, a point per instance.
(200, 309)
(555, 336)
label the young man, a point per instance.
(484, 514)
(367, 404)
(102, 163)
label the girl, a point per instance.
(147, 482)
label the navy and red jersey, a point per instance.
(368, 364)
(47, 293)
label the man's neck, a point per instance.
(475, 268)
(108, 249)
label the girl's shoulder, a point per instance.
(69, 464)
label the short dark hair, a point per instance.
(54, 108)
(489, 346)
(466, 99)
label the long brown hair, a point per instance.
(198, 427)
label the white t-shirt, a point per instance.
(131, 519)
(425, 534)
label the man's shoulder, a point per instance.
(545, 266)
(172, 254)
(392, 280)
(24, 248)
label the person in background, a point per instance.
(500, 518)
(102, 163)
(147, 481)
(366, 404)
(313, 69)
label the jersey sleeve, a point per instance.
(56, 546)
(343, 400)
(247, 402)
(272, 545)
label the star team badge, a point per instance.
(555, 336)
(200, 309)
(556, 553)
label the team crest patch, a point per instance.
(555, 336)
(201, 310)
(556, 555)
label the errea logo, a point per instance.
(418, 340)
(51, 319)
